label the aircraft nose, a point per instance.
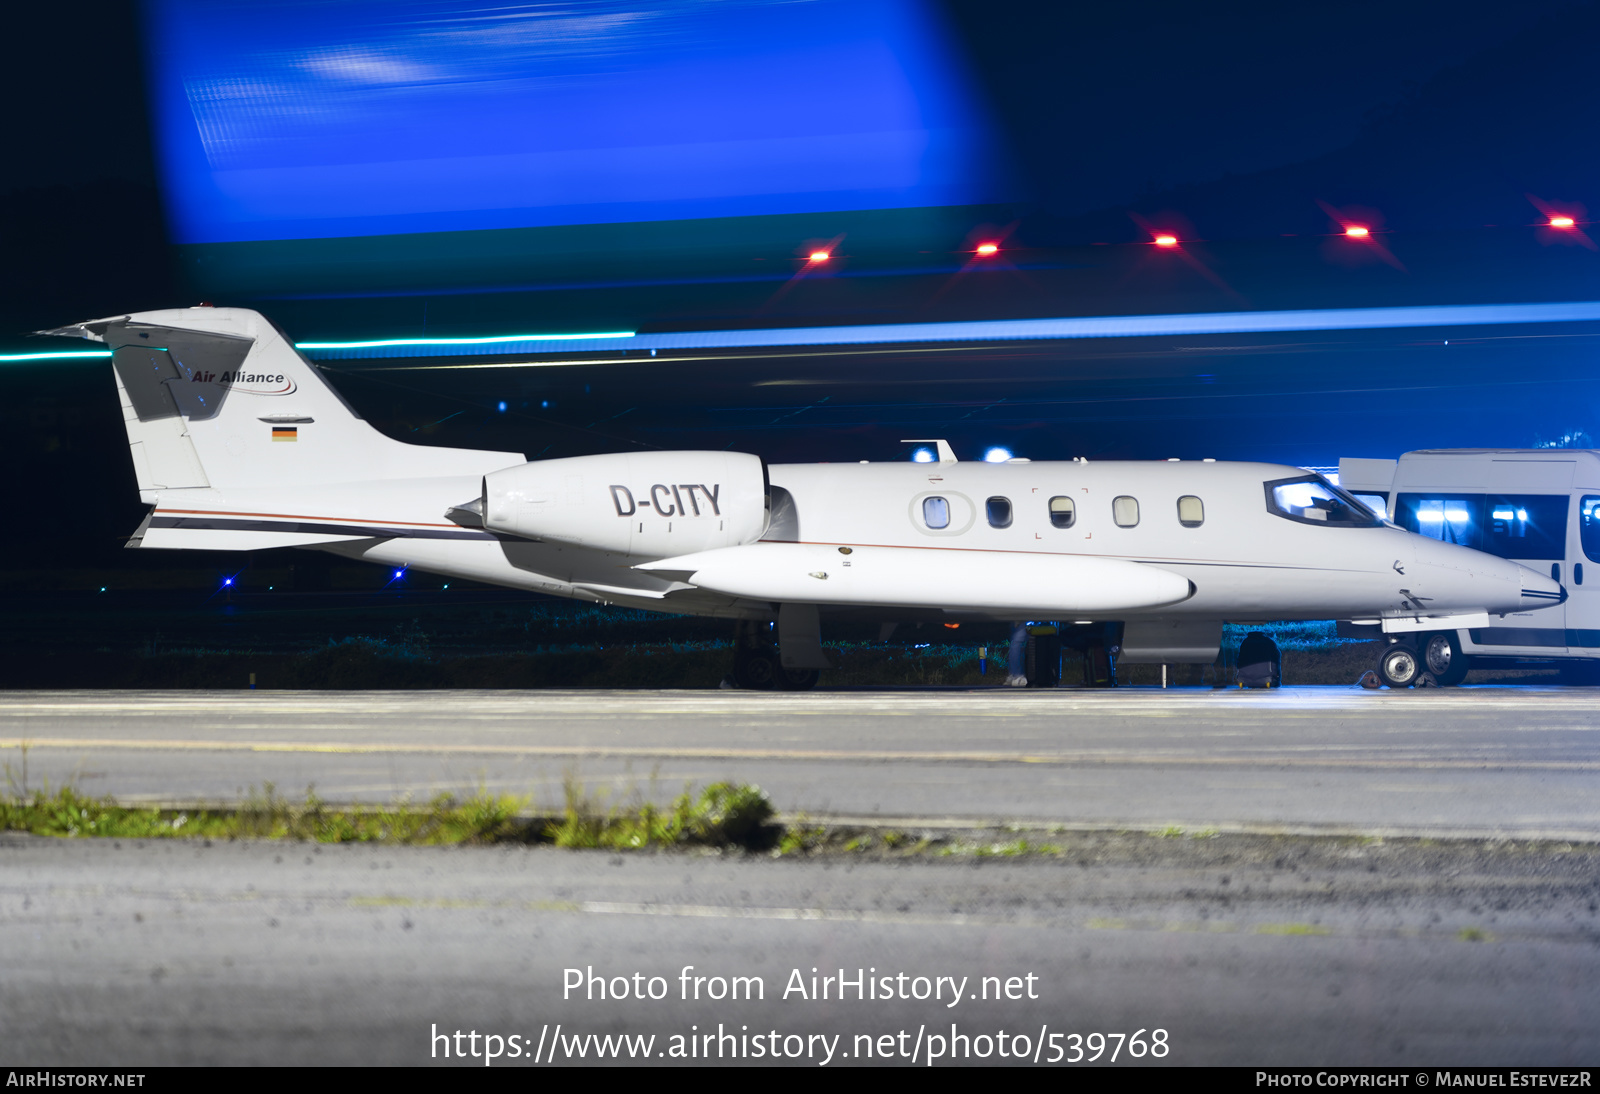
(1540, 590)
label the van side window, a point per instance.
(1447, 519)
(936, 513)
(1125, 511)
(1191, 511)
(1522, 526)
(999, 510)
(1589, 526)
(1526, 525)
(1062, 512)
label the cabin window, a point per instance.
(1062, 512)
(1125, 511)
(1191, 511)
(999, 510)
(1313, 500)
(936, 513)
(1589, 525)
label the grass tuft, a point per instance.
(267, 815)
(800, 838)
(721, 815)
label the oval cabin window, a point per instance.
(1125, 511)
(999, 512)
(1191, 511)
(1062, 512)
(936, 513)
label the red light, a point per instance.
(820, 256)
(1166, 241)
(1356, 231)
(988, 248)
(1562, 222)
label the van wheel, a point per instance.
(1399, 666)
(1442, 656)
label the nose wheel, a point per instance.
(1399, 666)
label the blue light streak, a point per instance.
(82, 353)
(1001, 330)
(488, 341)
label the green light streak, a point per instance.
(82, 353)
(465, 341)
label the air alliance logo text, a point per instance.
(682, 500)
(252, 383)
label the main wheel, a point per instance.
(797, 679)
(757, 670)
(1442, 656)
(1399, 666)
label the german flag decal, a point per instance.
(284, 433)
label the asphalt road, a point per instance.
(1241, 950)
(1266, 944)
(1483, 762)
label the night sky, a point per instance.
(1248, 129)
(1105, 103)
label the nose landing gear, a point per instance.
(1404, 663)
(1399, 666)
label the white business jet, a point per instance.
(240, 444)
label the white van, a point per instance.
(1539, 507)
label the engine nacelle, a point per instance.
(643, 505)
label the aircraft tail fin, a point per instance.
(219, 398)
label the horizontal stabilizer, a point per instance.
(228, 539)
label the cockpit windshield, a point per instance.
(1314, 500)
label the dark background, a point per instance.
(1244, 128)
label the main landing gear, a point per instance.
(757, 665)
